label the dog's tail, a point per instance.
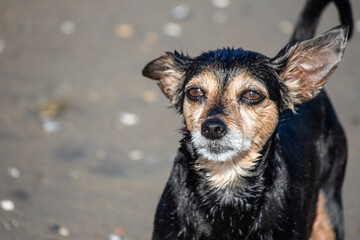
(309, 18)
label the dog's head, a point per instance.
(231, 98)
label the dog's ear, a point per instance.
(168, 70)
(306, 66)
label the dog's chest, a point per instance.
(223, 215)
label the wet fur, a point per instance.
(278, 171)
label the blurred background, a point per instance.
(86, 142)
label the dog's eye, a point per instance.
(194, 93)
(252, 96)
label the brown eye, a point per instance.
(194, 93)
(252, 96)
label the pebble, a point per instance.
(219, 16)
(20, 194)
(172, 29)
(136, 155)
(151, 38)
(180, 12)
(149, 97)
(114, 237)
(221, 3)
(2, 45)
(127, 119)
(64, 232)
(286, 27)
(61, 230)
(7, 205)
(14, 172)
(10, 225)
(51, 126)
(124, 30)
(67, 27)
(119, 231)
(52, 109)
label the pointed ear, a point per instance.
(170, 76)
(306, 66)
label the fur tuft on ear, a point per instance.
(170, 73)
(306, 66)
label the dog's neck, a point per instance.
(240, 191)
(230, 173)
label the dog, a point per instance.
(263, 154)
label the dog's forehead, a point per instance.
(219, 79)
(223, 66)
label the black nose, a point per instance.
(213, 129)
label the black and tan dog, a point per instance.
(263, 154)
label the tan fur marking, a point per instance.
(242, 82)
(227, 174)
(259, 128)
(256, 122)
(322, 228)
(193, 112)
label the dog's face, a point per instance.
(228, 111)
(231, 99)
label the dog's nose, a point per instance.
(213, 129)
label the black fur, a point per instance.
(306, 154)
(309, 18)
(279, 200)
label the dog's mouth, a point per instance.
(215, 146)
(223, 149)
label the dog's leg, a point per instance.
(329, 223)
(322, 226)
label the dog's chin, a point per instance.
(216, 156)
(221, 150)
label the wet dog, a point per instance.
(263, 154)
